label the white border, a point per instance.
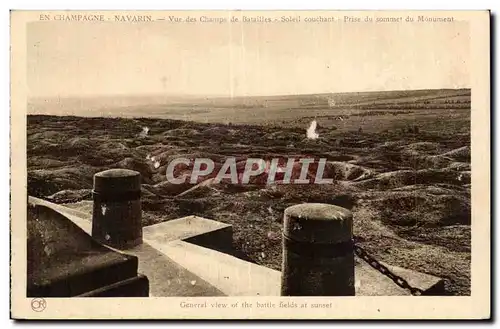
(147, 4)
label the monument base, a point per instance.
(177, 266)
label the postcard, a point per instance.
(250, 164)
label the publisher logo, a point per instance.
(38, 304)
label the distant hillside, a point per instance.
(150, 104)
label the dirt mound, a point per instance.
(455, 238)
(36, 162)
(346, 172)
(402, 178)
(435, 161)
(50, 135)
(138, 165)
(437, 189)
(336, 194)
(94, 159)
(161, 154)
(112, 146)
(46, 148)
(461, 154)
(70, 196)
(80, 143)
(199, 191)
(220, 130)
(42, 183)
(181, 132)
(421, 209)
(335, 156)
(392, 144)
(422, 147)
(284, 136)
(459, 166)
(166, 188)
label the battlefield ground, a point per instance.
(400, 162)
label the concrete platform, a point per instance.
(183, 257)
(168, 278)
(231, 275)
(200, 231)
(370, 282)
(236, 277)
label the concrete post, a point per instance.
(117, 213)
(318, 255)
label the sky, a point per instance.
(108, 58)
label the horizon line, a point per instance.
(232, 97)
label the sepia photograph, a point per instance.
(288, 160)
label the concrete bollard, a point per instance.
(318, 254)
(117, 213)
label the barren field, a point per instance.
(400, 161)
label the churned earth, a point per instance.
(407, 182)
